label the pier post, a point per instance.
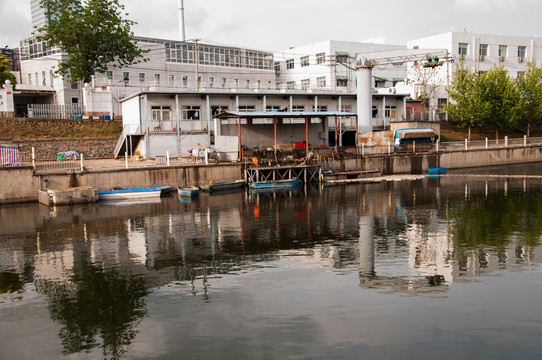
(487, 143)
(126, 158)
(466, 144)
(506, 141)
(81, 158)
(525, 140)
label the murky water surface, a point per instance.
(446, 268)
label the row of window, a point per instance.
(304, 61)
(193, 112)
(320, 83)
(218, 56)
(483, 50)
(170, 80)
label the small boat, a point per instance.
(219, 186)
(131, 193)
(275, 184)
(436, 170)
(189, 191)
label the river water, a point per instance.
(446, 268)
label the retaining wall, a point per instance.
(21, 184)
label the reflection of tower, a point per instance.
(366, 248)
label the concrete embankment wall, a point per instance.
(21, 184)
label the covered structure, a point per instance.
(253, 129)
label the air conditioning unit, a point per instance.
(520, 59)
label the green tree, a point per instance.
(93, 34)
(530, 88)
(5, 74)
(466, 104)
(502, 99)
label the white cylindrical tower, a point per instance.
(365, 98)
(182, 36)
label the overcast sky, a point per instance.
(280, 24)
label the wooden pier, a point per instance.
(305, 173)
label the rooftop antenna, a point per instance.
(181, 21)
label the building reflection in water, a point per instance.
(97, 264)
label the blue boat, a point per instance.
(190, 191)
(131, 193)
(275, 184)
(220, 186)
(436, 170)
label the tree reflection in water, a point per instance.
(104, 304)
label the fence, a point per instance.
(80, 164)
(52, 111)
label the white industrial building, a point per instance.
(330, 65)
(479, 52)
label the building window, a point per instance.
(390, 112)
(290, 85)
(304, 61)
(29, 79)
(463, 49)
(161, 113)
(141, 78)
(125, 78)
(236, 83)
(342, 81)
(217, 109)
(156, 79)
(321, 82)
(522, 52)
(346, 108)
(503, 50)
(483, 50)
(185, 80)
(191, 112)
(305, 84)
(277, 66)
(272, 107)
(74, 86)
(298, 108)
(247, 108)
(37, 79)
(211, 81)
(247, 84)
(171, 80)
(224, 82)
(342, 58)
(320, 58)
(289, 64)
(75, 100)
(321, 108)
(109, 76)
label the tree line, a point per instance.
(495, 100)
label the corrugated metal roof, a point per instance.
(283, 114)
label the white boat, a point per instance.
(132, 193)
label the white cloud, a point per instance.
(491, 5)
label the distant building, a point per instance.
(479, 52)
(330, 65)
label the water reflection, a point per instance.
(98, 264)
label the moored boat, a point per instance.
(220, 186)
(131, 193)
(436, 170)
(275, 184)
(189, 191)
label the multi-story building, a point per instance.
(479, 52)
(330, 65)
